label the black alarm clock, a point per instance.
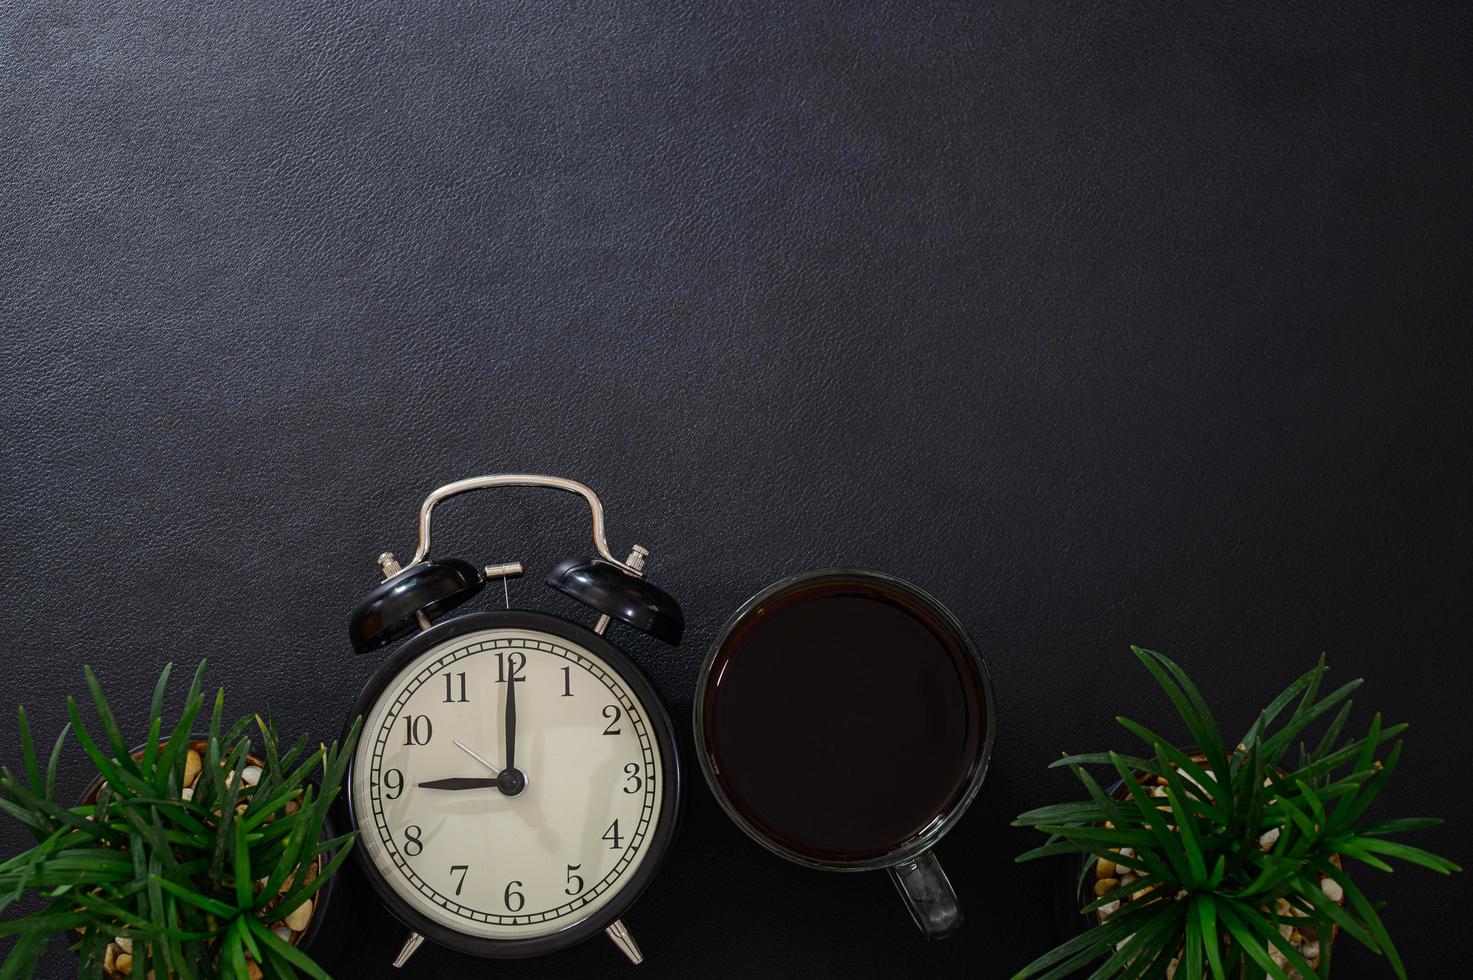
(516, 784)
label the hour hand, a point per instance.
(460, 782)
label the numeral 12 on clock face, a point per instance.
(507, 783)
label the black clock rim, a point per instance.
(659, 841)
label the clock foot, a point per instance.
(619, 934)
(414, 942)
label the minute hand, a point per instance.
(511, 722)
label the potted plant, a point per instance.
(1226, 859)
(191, 856)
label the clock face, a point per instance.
(497, 851)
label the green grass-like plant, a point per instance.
(1212, 886)
(179, 878)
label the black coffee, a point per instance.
(843, 719)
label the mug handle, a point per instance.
(928, 895)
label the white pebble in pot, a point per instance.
(298, 918)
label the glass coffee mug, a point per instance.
(844, 720)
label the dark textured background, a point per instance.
(1107, 322)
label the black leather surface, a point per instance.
(1107, 323)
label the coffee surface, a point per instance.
(843, 720)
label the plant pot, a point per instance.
(327, 930)
(1087, 871)
(324, 933)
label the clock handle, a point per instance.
(519, 480)
(929, 895)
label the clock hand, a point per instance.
(475, 755)
(460, 782)
(510, 781)
(511, 722)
